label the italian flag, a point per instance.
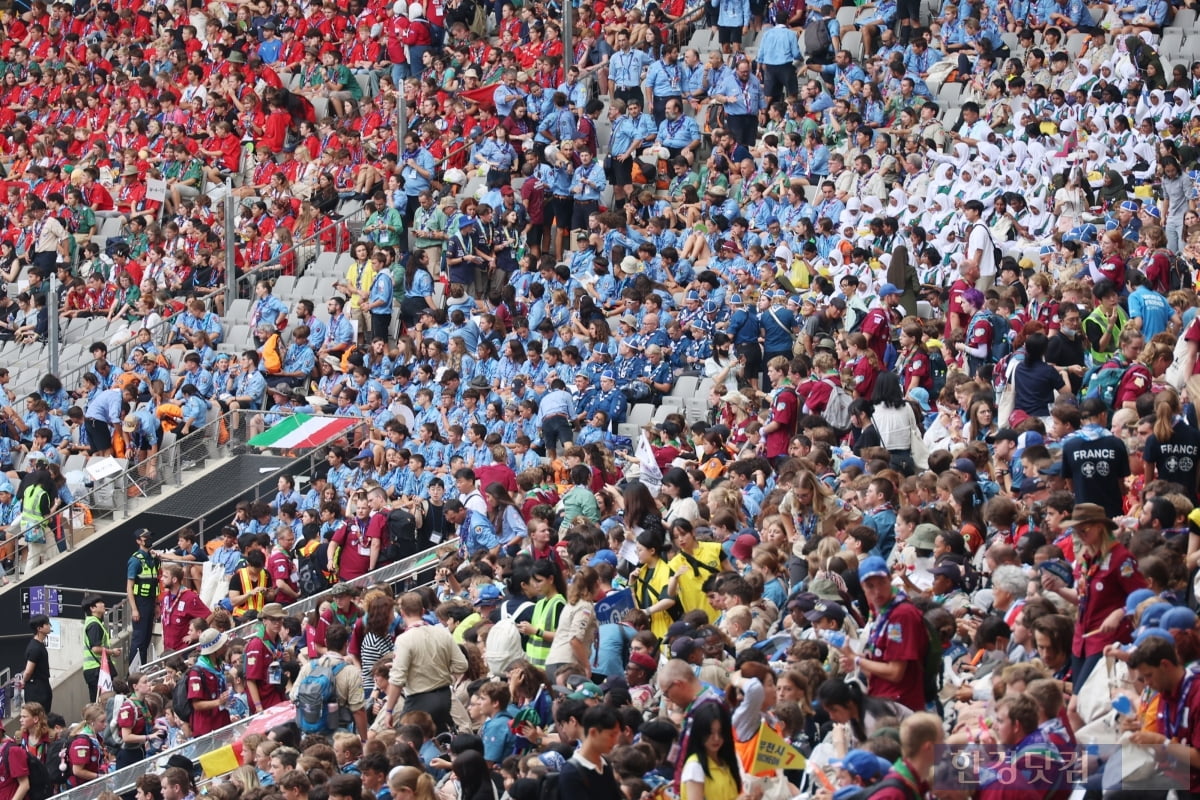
(303, 430)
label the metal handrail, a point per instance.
(116, 618)
(392, 573)
(123, 780)
(249, 276)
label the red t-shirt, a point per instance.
(258, 658)
(130, 716)
(980, 333)
(355, 558)
(1192, 334)
(16, 766)
(204, 685)
(864, 378)
(282, 570)
(877, 329)
(903, 639)
(785, 411)
(497, 473)
(955, 308)
(916, 366)
(1136, 381)
(1102, 590)
(817, 396)
(178, 613)
(85, 752)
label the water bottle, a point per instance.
(835, 639)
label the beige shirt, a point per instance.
(53, 234)
(577, 622)
(427, 659)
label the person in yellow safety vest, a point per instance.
(141, 590)
(249, 585)
(549, 584)
(95, 643)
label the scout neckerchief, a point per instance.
(878, 631)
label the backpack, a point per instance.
(816, 38)
(112, 734)
(933, 662)
(1179, 272)
(314, 695)
(888, 783)
(548, 786)
(180, 703)
(997, 255)
(1103, 382)
(504, 640)
(39, 777)
(437, 34)
(313, 579)
(837, 412)
(272, 354)
(402, 535)
(1001, 344)
(938, 369)
(57, 768)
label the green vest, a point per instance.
(90, 659)
(33, 524)
(1100, 319)
(146, 582)
(547, 609)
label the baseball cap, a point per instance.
(683, 647)
(488, 594)
(862, 764)
(129, 424)
(872, 567)
(743, 546)
(823, 610)
(1136, 598)
(950, 571)
(964, 465)
(1178, 617)
(1156, 632)
(586, 691)
(805, 602)
(888, 289)
(1003, 435)
(604, 557)
(1152, 616)
(853, 461)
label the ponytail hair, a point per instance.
(420, 782)
(1166, 408)
(91, 713)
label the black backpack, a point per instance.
(402, 535)
(1179, 272)
(180, 703)
(57, 769)
(817, 40)
(39, 777)
(312, 568)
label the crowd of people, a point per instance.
(912, 299)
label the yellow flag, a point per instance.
(219, 761)
(774, 753)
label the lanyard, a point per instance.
(881, 624)
(1173, 721)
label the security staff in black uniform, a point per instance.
(141, 589)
